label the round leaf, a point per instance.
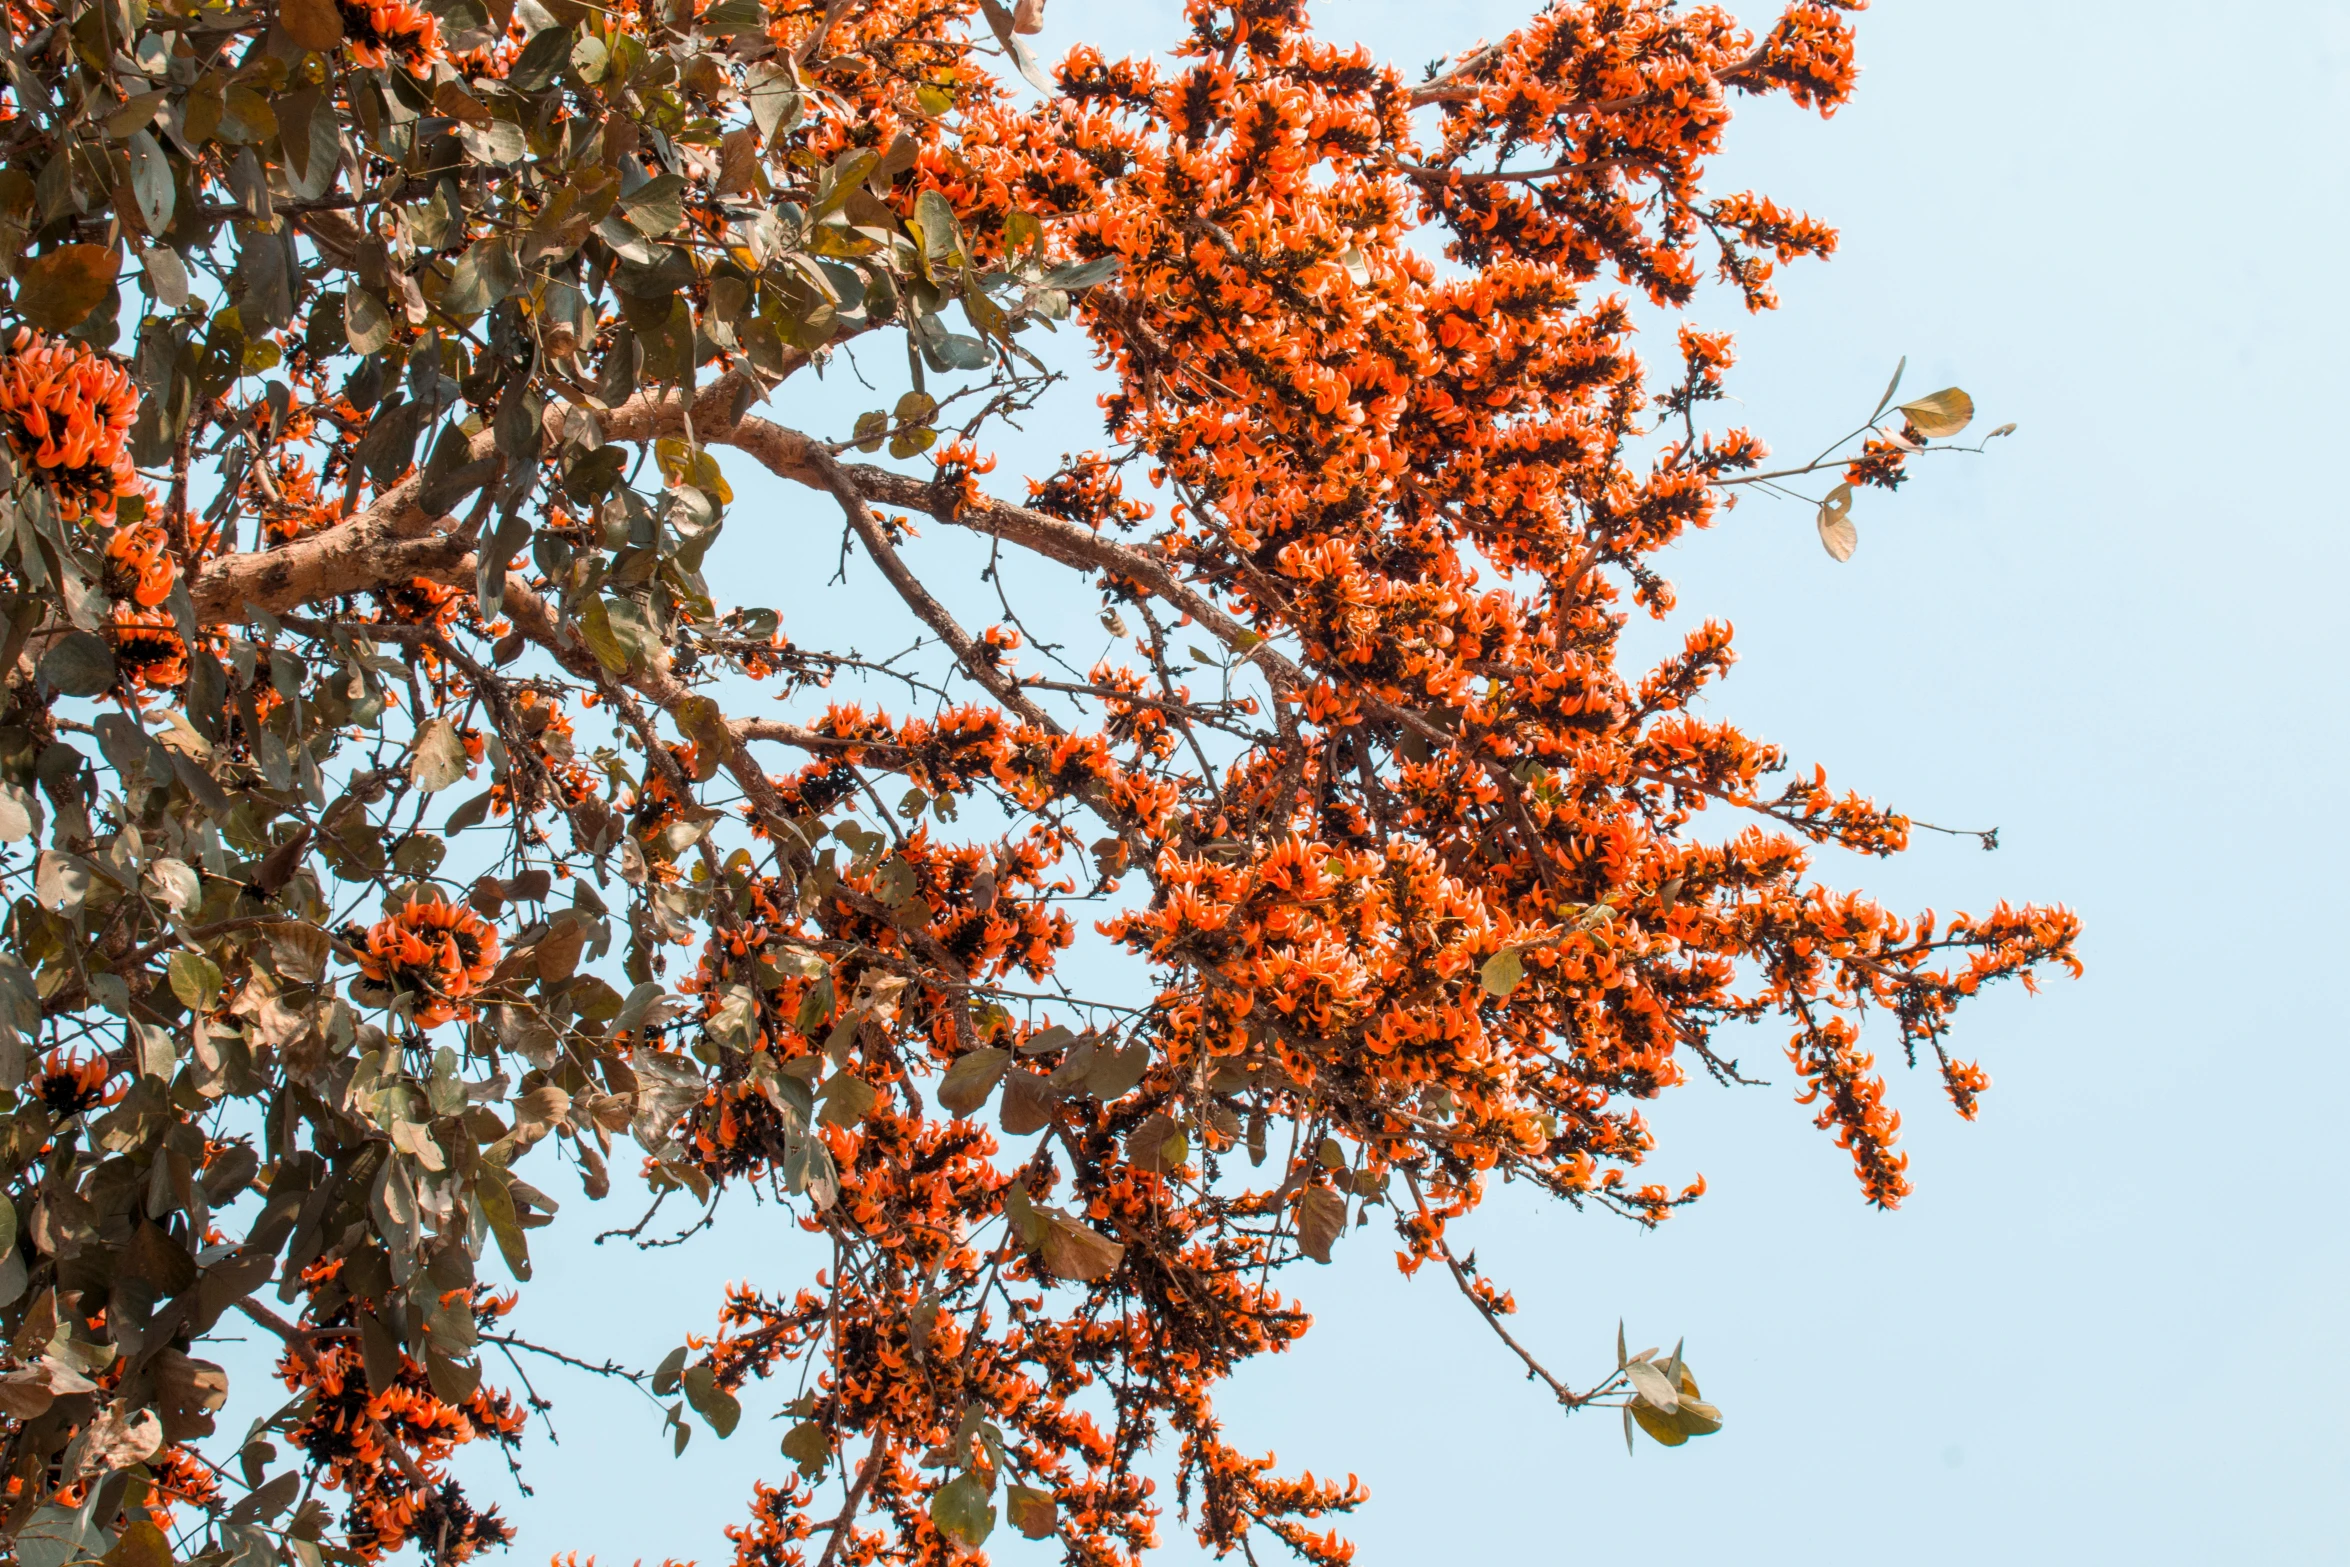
(195, 979)
(1031, 1511)
(1940, 415)
(58, 291)
(440, 758)
(79, 664)
(972, 1078)
(1503, 972)
(1321, 1219)
(1071, 1251)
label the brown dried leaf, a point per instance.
(316, 25)
(57, 292)
(1071, 1251)
(1321, 1219)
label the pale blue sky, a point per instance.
(2109, 1326)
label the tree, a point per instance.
(386, 829)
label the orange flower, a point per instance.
(438, 951)
(138, 566)
(148, 649)
(68, 411)
(70, 1084)
(377, 29)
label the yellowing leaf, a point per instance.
(440, 759)
(1030, 1511)
(1940, 415)
(1503, 972)
(1687, 1416)
(848, 1099)
(195, 980)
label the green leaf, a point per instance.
(365, 321)
(17, 812)
(942, 236)
(151, 183)
(700, 720)
(719, 1408)
(635, 1009)
(497, 1206)
(57, 292)
(595, 629)
(736, 1021)
(972, 1079)
(1115, 1073)
(773, 97)
(140, 1545)
(848, 1099)
(807, 1446)
(730, 17)
(1084, 274)
(541, 60)
(1503, 972)
(895, 882)
(484, 275)
(960, 1508)
(195, 979)
(61, 881)
(590, 58)
(961, 351)
(657, 206)
(79, 664)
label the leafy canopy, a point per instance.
(390, 839)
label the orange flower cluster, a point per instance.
(1454, 923)
(350, 1422)
(433, 951)
(378, 31)
(68, 411)
(1404, 853)
(70, 1084)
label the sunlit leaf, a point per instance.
(1940, 415)
(439, 758)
